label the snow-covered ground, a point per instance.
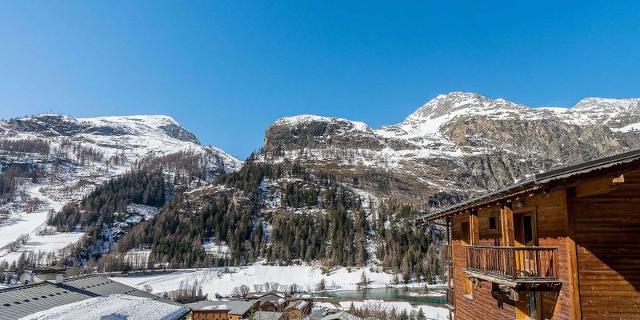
(114, 307)
(431, 312)
(23, 223)
(43, 243)
(214, 280)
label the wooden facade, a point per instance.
(564, 248)
(213, 314)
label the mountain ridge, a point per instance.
(482, 143)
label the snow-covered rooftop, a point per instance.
(117, 306)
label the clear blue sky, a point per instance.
(227, 69)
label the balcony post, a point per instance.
(514, 263)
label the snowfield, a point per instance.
(43, 243)
(215, 281)
(23, 223)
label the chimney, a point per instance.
(59, 278)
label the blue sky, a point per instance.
(227, 69)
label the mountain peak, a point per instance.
(595, 103)
(456, 101)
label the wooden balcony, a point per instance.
(451, 295)
(515, 267)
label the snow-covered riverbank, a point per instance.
(305, 277)
(215, 281)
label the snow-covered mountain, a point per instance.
(133, 137)
(49, 160)
(457, 144)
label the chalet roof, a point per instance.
(101, 286)
(542, 181)
(235, 307)
(273, 297)
(115, 306)
(298, 304)
(342, 315)
(21, 301)
(302, 296)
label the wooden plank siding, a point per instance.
(551, 219)
(607, 236)
(551, 216)
(481, 304)
(596, 233)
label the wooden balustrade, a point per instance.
(450, 296)
(514, 263)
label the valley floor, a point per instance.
(216, 281)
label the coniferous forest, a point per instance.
(278, 212)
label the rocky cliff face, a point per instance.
(457, 144)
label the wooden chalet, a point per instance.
(297, 310)
(221, 310)
(558, 245)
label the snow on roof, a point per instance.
(18, 302)
(342, 315)
(236, 307)
(116, 306)
(267, 315)
(218, 307)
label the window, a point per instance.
(528, 229)
(492, 223)
(466, 233)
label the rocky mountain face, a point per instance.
(456, 145)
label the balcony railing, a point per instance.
(514, 264)
(450, 297)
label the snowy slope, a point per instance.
(132, 136)
(83, 153)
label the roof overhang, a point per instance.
(540, 183)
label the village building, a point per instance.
(220, 312)
(42, 274)
(341, 315)
(101, 296)
(138, 258)
(235, 309)
(297, 310)
(557, 245)
(267, 315)
(271, 301)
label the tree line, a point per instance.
(317, 220)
